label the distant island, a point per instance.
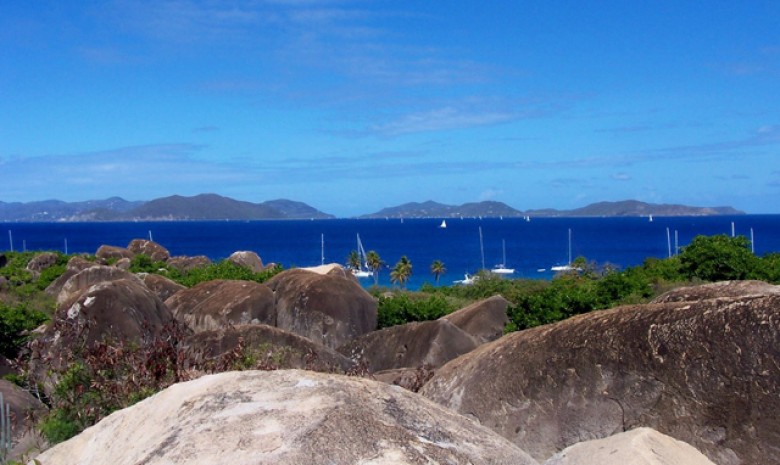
(216, 207)
(432, 209)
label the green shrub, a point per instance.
(15, 322)
(222, 270)
(400, 309)
(718, 258)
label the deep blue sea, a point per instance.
(530, 245)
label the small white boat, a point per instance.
(443, 224)
(501, 268)
(467, 280)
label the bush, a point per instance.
(718, 258)
(222, 270)
(400, 309)
(15, 322)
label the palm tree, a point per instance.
(437, 269)
(401, 271)
(353, 260)
(374, 263)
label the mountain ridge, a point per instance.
(216, 207)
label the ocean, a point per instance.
(531, 246)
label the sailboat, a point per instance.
(568, 266)
(363, 271)
(443, 224)
(501, 268)
(468, 279)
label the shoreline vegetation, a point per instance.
(586, 287)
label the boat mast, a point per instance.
(322, 248)
(481, 248)
(569, 246)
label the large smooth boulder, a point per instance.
(282, 418)
(411, 345)
(74, 266)
(214, 304)
(247, 259)
(722, 289)
(151, 249)
(42, 261)
(122, 310)
(260, 346)
(702, 372)
(185, 264)
(162, 286)
(327, 309)
(484, 320)
(109, 252)
(332, 269)
(641, 446)
(82, 280)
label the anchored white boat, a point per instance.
(501, 268)
(568, 266)
(363, 271)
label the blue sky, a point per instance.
(352, 106)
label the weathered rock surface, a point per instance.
(75, 265)
(82, 280)
(285, 417)
(108, 252)
(324, 308)
(484, 320)
(412, 379)
(151, 249)
(722, 289)
(247, 259)
(162, 286)
(124, 309)
(332, 269)
(184, 264)
(25, 409)
(268, 346)
(214, 304)
(42, 261)
(412, 345)
(703, 372)
(641, 446)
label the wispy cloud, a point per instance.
(185, 21)
(203, 129)
(621, 177)
(489, 194)
(440, 119)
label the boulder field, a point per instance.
(694, 372)
(705, 372)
